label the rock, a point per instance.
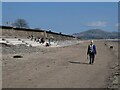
(48, 66)
(115, 81)
(17, 56)
(29, 79)
(3, 39)
(19, 39)
(111, 47)
(117, 73)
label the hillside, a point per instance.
(96, 34)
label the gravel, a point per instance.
(20, 48)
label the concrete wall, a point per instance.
(17, 32)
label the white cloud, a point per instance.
(117, 25)
(96, 24)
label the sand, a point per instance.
(60, 67)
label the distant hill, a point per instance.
(96, 34)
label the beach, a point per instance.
(60, 67)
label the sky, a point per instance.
(60, 0)
(65, 17)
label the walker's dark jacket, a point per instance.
(94, 49)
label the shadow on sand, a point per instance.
(77, 62)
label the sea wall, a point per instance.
(7, 31)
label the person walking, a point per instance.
(91, 51)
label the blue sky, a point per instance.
(65, 17)
(60, 0)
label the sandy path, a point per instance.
(61, 68)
